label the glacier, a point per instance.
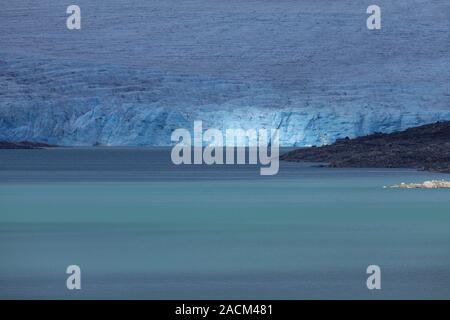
(140, 69)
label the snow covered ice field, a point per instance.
(139, 69)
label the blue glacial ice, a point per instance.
(140, 69)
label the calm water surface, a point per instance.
(141, 227)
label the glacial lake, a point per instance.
(140, 227)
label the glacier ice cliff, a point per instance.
(139, 70)
(115, 107)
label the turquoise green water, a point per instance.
(307, 233)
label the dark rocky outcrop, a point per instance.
(24, 145)
(426, 147)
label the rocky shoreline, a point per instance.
(424, 148)
(433, 184)
(24, 145)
